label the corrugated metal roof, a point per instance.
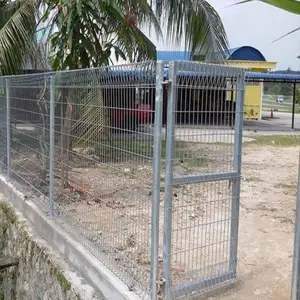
(273, 76)
(173, 55)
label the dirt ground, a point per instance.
(266, 223)
(267, 212)
(114, 214)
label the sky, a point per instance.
(257, 24)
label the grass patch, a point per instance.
(185, 153)
(193, 163)
(278, 140)
(130, 148)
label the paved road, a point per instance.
(281, 122)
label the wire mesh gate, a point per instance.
(203, 168)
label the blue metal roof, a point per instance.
(173, 55)
(273, 76)
(245, 53)
(239, 53)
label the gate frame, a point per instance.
(234, 176)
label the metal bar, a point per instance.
(8, 129)
(156, 180)
(52, 149)
(206, 284)
(205, 178)
(294, 104)
(169, 181)
(296, 260)
(237, 164)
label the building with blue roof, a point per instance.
(246, 57)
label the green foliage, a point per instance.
(90, 32)
(9, 212)
(198, 22)
(278, 140)
(61, 279)
(292, 6)
(298, 95)
(285, 89)
(17, 27)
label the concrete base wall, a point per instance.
(103, 281)
(40, 273)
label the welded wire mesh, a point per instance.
(103, 164)
(105, 160)
(204, 155)
(29, 119)
(103, 153)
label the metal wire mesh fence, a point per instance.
(89, 147)
(103, 164)
(30, 132)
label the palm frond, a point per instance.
(18, 23)
(198, 23)
(292, 6)
(289, 33)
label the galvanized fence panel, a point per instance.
(29, 118)
(85, 146)
(104, 165)
(202, 179)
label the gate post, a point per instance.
(169, 180)
(156, 180)
(237, 164)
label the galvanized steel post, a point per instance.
(237, 166)
(52, 145)
(156, 180)
(169, 180)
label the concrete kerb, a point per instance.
(91, 269)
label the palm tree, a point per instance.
(113, 28)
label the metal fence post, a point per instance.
(296, 259)
(52, 145)
(169, 181)
(294, 104)
(8, 129)
(156, 179)
(237, 166)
